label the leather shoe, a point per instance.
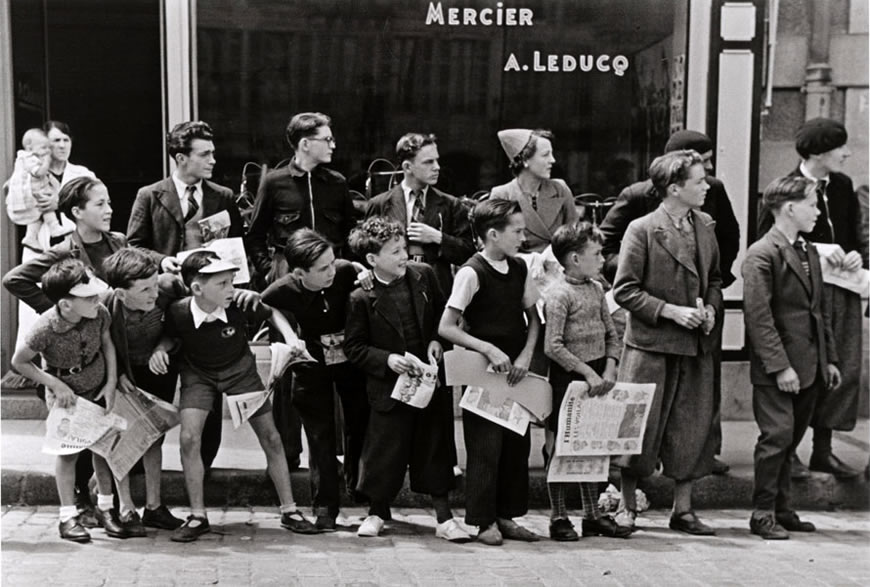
(325, 523)
(720, 467)
(605, 526)
(562, 530)
(88, 516)
(689, 523)
(73, 530)
(510, 530)
(108, 520)
(490, 535)
(765, 525)
(132, 525)
(297, 523)
(829, 463)
(792, 522)
(161, 518)
(798, 469)
(193, 528)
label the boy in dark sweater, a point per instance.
(315, 293)
(216, 358)
(495, 296)
(398, 316)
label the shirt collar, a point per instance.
(575, 281)
(407, 190)
(200, 315)
(806, 174)
(181, 187)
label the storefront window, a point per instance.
(598, 73)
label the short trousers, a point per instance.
(198, 388)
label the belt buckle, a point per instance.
(75, 370)
(417, 258)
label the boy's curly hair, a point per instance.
(372, 234)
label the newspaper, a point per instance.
(215, 226)
(244, 405)
(228, 249)
(609, 424)
(416, 390)
(496, 408)
(857, 281)
(71, 430)
(148, 418)
(578, 469)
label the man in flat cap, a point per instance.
(821, 144)
(640, 199)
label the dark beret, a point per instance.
(689, 139)
(818, 136)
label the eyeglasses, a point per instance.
(328, 140)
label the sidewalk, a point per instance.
(248, 547)
(239, 477)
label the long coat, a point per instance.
(555, 208)
(444, 212)
(784, 311)
(156, 221)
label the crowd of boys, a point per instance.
(122, 313)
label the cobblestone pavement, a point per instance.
(248, 547)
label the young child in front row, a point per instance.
(400, 315)
(793, 356)
(582, 342)
(215, 359)
(495, 295)
(76, 347)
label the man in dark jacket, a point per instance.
(640, 199)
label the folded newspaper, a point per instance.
(578, 469)
(245, 405)
(71, 430)
(857, 281)
(416, 390)
(496, 408)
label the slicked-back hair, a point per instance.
(128, 265)
(304, 125)
(492, 213)
(182, 135)
(372, 234)
(304, 248)
(790, 188)
(672, 168)
(76, 194)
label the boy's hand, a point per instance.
(832, 377)
(125, 385)
(107, 393)
(852, 261)
(400, 364)
(246, 299)
(64, 396)
(610, 374)
(685, 316)
(158, 363)
(519, 369)
(364, 277)
(787, 380)
(501, 363)
(597, 385)
(420, 232)
(170, 264)
(435, 352)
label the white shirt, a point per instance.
(181, 189)
(807, 175)
(466, 285)
(409, 201)
(200, 316)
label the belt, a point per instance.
(417, 258)
(57, 371)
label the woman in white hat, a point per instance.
(546, 203)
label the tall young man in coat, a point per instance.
(437, 223)
(641, 198)
(821, 144)
(165, 219)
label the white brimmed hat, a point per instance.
(217, 266)
(93, 287)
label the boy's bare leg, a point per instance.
(152, 462)
(103, 474)
(65, 478)
(192, 422)
(270, 440)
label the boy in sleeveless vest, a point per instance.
(495, 296)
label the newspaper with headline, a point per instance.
(496, 408)
(71, 430)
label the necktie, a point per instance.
(800, 246)
(822, 203)
(417, 206)
(192, 206)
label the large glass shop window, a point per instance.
(603, 75)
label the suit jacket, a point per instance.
(555, 208)
(156, 221)
(444, 212)
(654, 270)
(23, 281)
(374, 332)
(843, 210)
(784, 311)
(641, 198)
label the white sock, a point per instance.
(289, 508)
(67, 512)
(126, 510)
(105, 502)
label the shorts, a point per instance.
(198, 388)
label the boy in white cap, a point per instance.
(76, 347)
(216, 358)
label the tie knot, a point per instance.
(801, 245)
(191, 190)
